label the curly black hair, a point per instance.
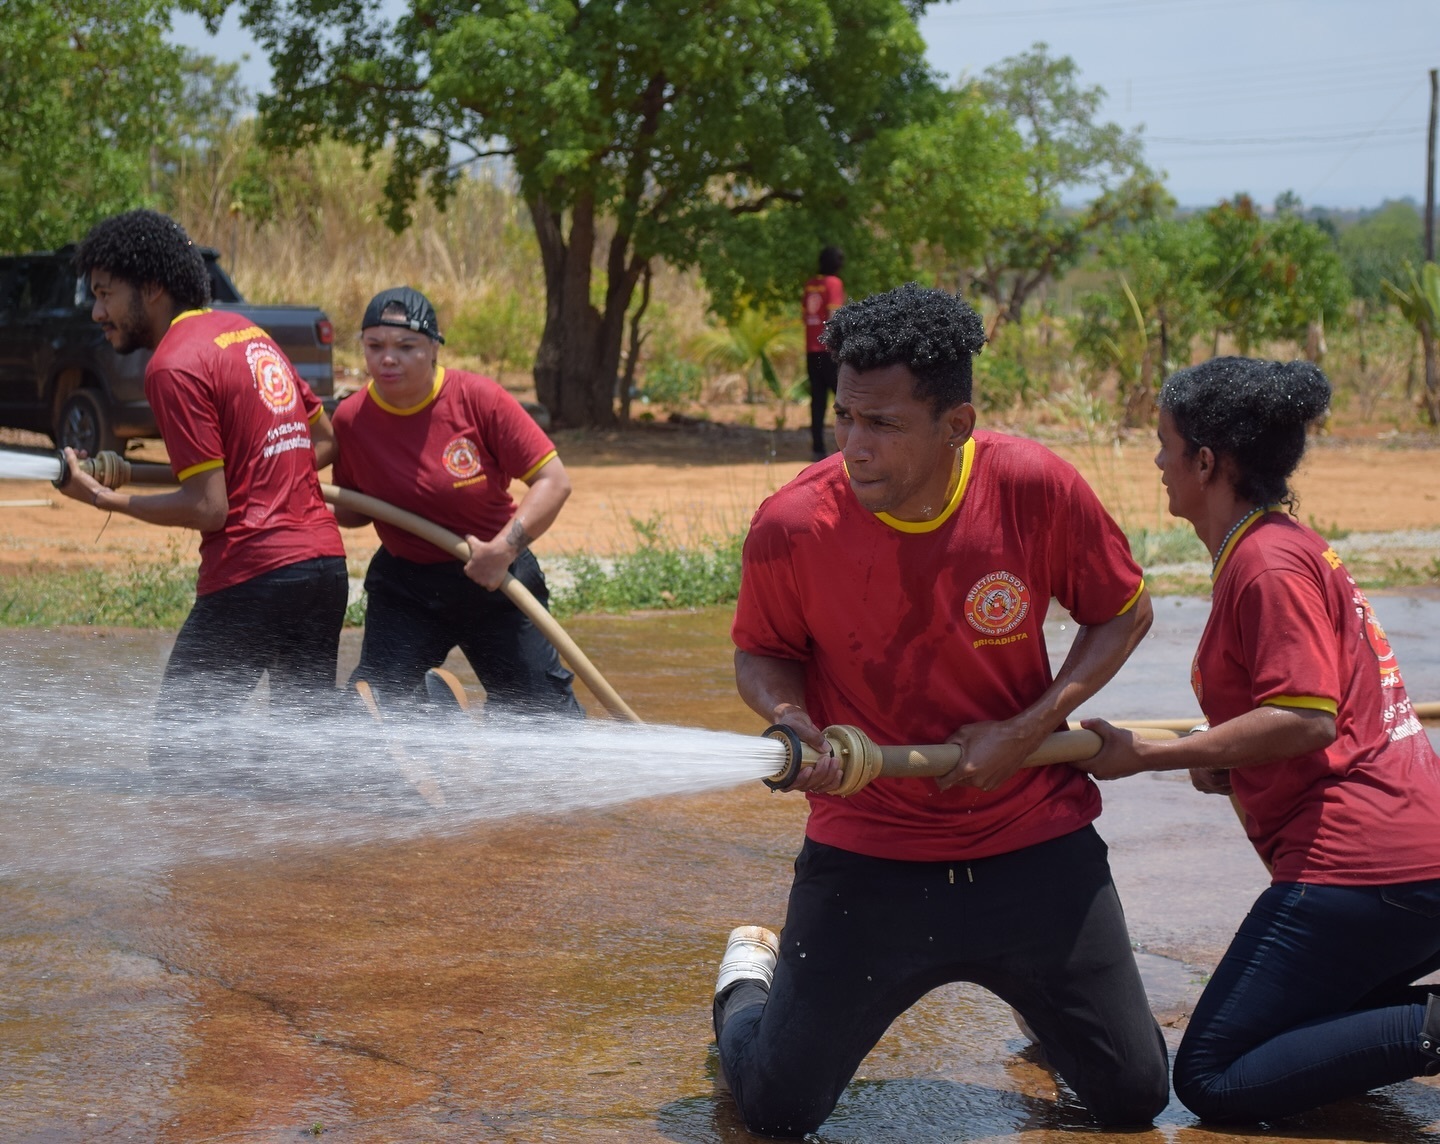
(143, 247)
(1254, 412)
(930, 332)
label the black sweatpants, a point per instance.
(417, 612)
(286, 622)
(822, 372)
(865, 938)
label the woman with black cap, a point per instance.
(1312, 731)
(445, 445)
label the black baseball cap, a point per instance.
(419, 314)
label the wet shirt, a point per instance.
(824, 294)
(1289, 627)
(910, 631)
(450, 458)
(225, 396)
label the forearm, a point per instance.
(542, 504)
(1099, 651)
(770, 687)
(174, 509)
(1264, 735)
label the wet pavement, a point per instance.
(548, 978)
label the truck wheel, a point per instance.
(84, 424)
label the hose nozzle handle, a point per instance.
(110, 469)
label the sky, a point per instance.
(1326, 98)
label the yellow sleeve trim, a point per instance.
(967, 464)
(202, 467)
(314, 417)
(538, 465)
(1305, 702)
(1133, 600)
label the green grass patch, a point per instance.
(658, 572)
(1175, 545)
(153, 595)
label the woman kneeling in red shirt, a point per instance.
(1312, 731)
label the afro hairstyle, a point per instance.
(1252, 411)
(143, 247)
(932, 333)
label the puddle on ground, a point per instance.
(549, 978)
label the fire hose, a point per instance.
(861, 759)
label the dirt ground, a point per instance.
(704, 478)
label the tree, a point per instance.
(85, 89)
(1275, 276)
(676, 130)
(949, 181)
(1144, 324)
(1419, 302)
(1065, 150)
(1377, 247)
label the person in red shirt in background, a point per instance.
(824, 294)
(902, 588)
(1311, 729)
(445, 445)
(243, 432)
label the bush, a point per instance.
(656, 574)
(672, 381)
(500, 328)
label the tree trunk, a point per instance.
(1432, 381)
(579, 354)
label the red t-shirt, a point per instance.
(449, 459)
(225, 396)
(824, 294)
(1288, 626)
(909, 631)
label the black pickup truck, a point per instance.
(59, 376)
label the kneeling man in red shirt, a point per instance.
(901, 586)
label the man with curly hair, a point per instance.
(901, 587)
(242, 431)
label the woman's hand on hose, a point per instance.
(1121, 752)
(489, 561)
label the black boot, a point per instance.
(1430, 1036)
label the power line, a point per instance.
(1106, 8)
(1345, 158)
(1272, 140)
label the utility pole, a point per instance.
(1427, 332)
(1430, 169)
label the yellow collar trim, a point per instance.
(395, 409)
(180, 317)
(1245, 526)
(967, 463)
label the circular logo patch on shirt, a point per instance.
(273, 380)
(1375, 636)
(998, 604)
(462, 458)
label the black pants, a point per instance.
(822, 370)
(865, 938)
(286, 622)
(417, 612)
